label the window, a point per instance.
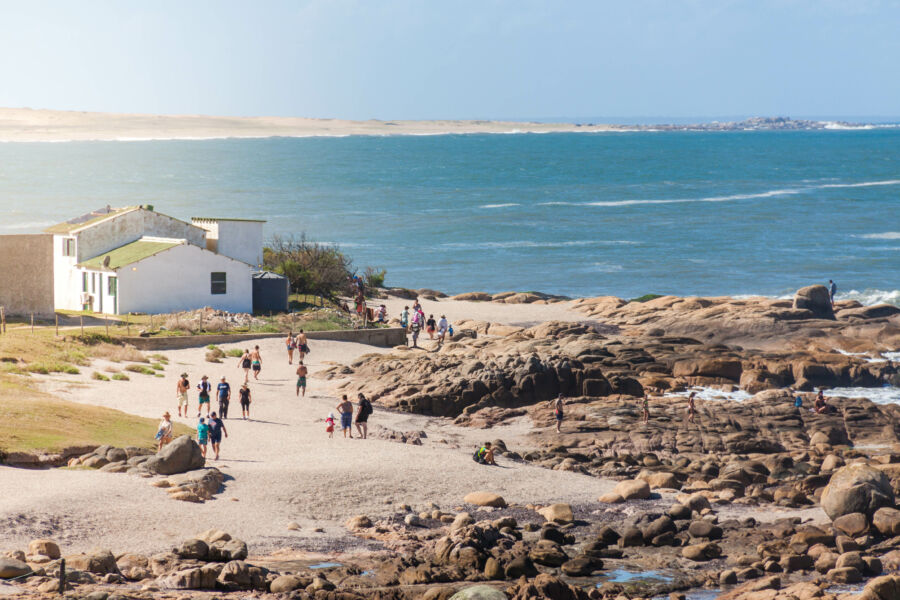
(84, 281)
(68, 247)
(217, 283)
(111, 286)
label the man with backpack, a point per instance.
(484, 455)
(362, 415)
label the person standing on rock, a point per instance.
(164, 432)
(181, 392)
(245, 401)
(204, 388)
(362, 415)
(244, 363)
(202, 436)
(216, 429)
(645, 409)
(291, 345)
(832, 290)
(301, 378)
(692, 410)
(223, 392)
(256, 360)
(414, 328)
(345, 407)
(558, 411)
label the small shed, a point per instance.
(270, 292)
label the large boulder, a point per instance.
(882, 588)
(558, 513)
(636, 489)
(96, 561)
(479, 592)
(44, 547)
(10, 567)
(182, 454)
(485, 499)
(856, 488)
(816, 299)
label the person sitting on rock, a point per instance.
(484, 455)
(821, 405)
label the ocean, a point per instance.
(577, 214)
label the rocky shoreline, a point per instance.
(754, 500)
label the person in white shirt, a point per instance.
(443, 326)
(164, 432)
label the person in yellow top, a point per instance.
(164, 432)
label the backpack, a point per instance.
(478, 456)
(366, 407)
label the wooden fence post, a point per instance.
(57, 323)
(81, 317)
(128, 324)
(62, 576)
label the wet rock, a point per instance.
(844, 575)
(520, 566)
(701, 552)
(548, 554)
(581, 566)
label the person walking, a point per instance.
(430, 326)
(362, 415)
(443, 326)
(291, 344)
(256, 362)
(345, 408)
(216, 429)
(181, 393)
(223, 392)
(204, 387)
(164, 431)
(202, 436)
(692, 409)
(244, 363)
(404, 318)
(832, 290)
(329, 425)
(302, 344)
(415, 329)
(558, 411)
(301, 378)
(244, 394)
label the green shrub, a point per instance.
(121, 377)
(140, 369)
(374, 278)
(157, 367)
(212, 347)
(234, 353)
(99, 376)
(646, 298)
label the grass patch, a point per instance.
(234, 353)
(157, 367)
(45, 367)
(35, 421)
(646, 298)
(120, 377)
(160, 358)
(117, 352)
(99, 376)
(140, 369)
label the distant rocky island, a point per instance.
(753, 124)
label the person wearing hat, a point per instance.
(164, 432)
(443, 326)
(181, 393)
(204, 387)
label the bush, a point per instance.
(99, 376)
(215, 355)
(374, 278)
(121, 377)
(160, 358)
(646, 298)
(311, 268)
(117, 353)
(212, 347)
(234, 353)
(157, 367)
(140, 369)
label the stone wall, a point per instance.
(385, 337)
(26, 274)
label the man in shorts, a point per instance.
(256, 362)
(204, 387)
(181, 393)
(216, 429)
(301, 378)
(345, 407)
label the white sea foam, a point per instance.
(871, 297)
(880, 395)
(533, 244)
(732, 197)
(504, 205)
(601, 267)
(887, 235)
(709, 393)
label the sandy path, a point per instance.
(284, 468)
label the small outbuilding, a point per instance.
(270, 292)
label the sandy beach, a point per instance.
(40, 125)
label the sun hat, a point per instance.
(166, 414)
(184, 375)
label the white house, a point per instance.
(137, 260)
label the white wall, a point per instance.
(242, 240)
(179, 279)
(131, 226)
(65, 276)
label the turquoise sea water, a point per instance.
(577, 214)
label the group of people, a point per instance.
(414, 323)
(345, 410)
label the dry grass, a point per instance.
(33, 421)
(117, 352)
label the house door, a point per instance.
(112, 288)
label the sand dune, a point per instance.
(39, 125)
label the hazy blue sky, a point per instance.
(420, 59)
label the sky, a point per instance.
(454, 59)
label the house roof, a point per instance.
(88, 219)
(216, 219)
(131, 253)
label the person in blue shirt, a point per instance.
(202, 435)
(216, 429)
(223, 392)
(832, 289)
